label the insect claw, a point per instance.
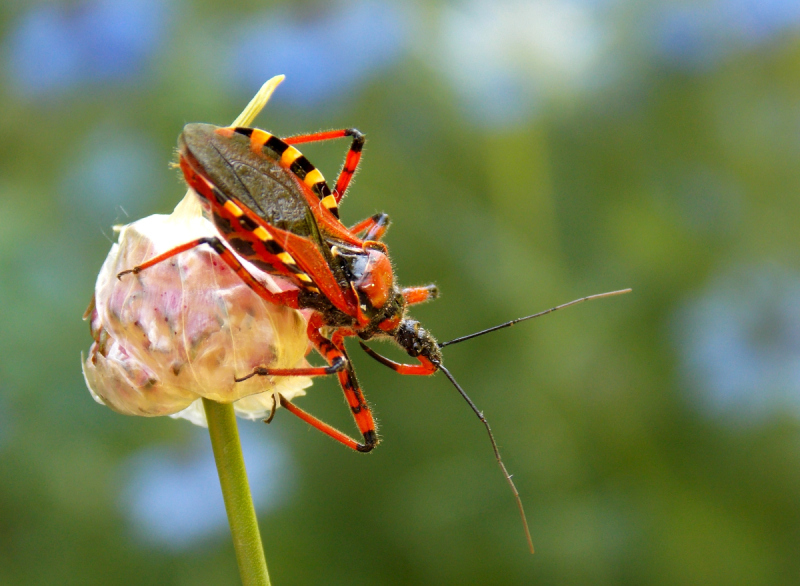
(134, 270)
(258, 371)
(268, 420)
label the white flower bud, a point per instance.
(187, 327)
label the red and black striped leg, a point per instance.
(367, 446)
(359, 408)
(288, 298)
(350, 162)
(336, 360)
(336, 356)
(425, 366)
(414, 295)
(374, 226)
(354, 395)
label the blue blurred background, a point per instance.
(528, 152)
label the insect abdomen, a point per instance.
(290, 158)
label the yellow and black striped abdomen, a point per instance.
(290, 158)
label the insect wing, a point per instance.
(257, 206)
(286, 161)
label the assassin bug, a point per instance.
(274, 208)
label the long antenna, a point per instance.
(496, 454)
(527, 317)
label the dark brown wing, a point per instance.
(261, 211)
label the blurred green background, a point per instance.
(528, 153)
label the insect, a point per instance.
(274, 208)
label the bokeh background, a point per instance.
(529, 153)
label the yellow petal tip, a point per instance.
(258, 102)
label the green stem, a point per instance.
(236, 492)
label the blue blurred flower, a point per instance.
(739, 343)
(173, 497)
(323, 55)
(700, 34)
(112, 176)
(54, 48)
(505, 56)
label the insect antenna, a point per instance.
(479, 413)
(508, 324)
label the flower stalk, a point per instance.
(171, 340)
(236, 493)
(228, 448)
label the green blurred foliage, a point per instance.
(624, 479)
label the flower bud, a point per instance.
(187, 327)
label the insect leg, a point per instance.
(425, 366)
(336, 360)
(336, 355)
(353, 393)
(374, 226)
(350, 162)
(414, 295)
(288, 298)
(329, 430)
